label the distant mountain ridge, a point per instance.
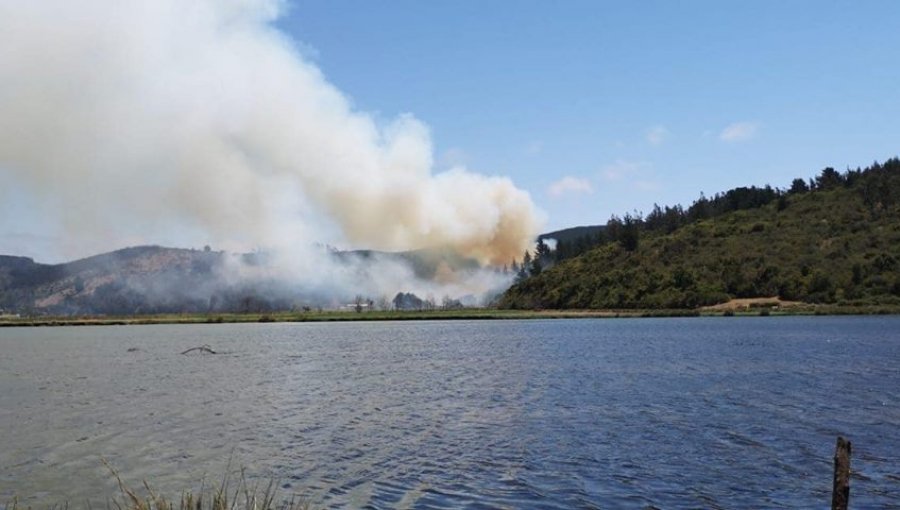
(156, 279)
(110, 283)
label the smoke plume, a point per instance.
(135, 119)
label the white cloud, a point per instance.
(657, 134)
(637, 175)
(621, 168)
(739, 132)
(569, 184)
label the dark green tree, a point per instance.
(798, 186)
(630, 234)
(542, 251)
(829, 178)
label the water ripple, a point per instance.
(710, 413)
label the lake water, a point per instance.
(614, 413)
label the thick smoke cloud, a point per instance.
(137, 118)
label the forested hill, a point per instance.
(834, 239)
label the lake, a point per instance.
(722, 412)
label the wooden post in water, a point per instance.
(840, 494)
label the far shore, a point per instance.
(751, 310)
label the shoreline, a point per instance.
(445, 315)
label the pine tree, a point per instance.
(525, 268)
(542, 252)
(542, 258)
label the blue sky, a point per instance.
(595, 108)
(604, 107)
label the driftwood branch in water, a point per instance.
(202, 348)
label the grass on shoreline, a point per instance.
(461, 314)
(230, 494)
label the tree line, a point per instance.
(878, 186)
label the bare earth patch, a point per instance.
(758, 302)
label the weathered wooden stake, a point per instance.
(840, 494)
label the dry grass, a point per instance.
(230, 494)
(760, 302)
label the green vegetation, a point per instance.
(832, 241)
(419, 315)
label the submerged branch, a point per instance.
(202, 349)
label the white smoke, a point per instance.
(135, 119)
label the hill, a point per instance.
(145, 279)
(155, 279)
(835, 239)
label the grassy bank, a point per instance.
(323, 316)
(464, 314)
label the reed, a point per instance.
(230, 494)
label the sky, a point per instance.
(600, 108)
(595, 108)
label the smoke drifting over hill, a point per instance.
(133, 119)
(202, 112)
